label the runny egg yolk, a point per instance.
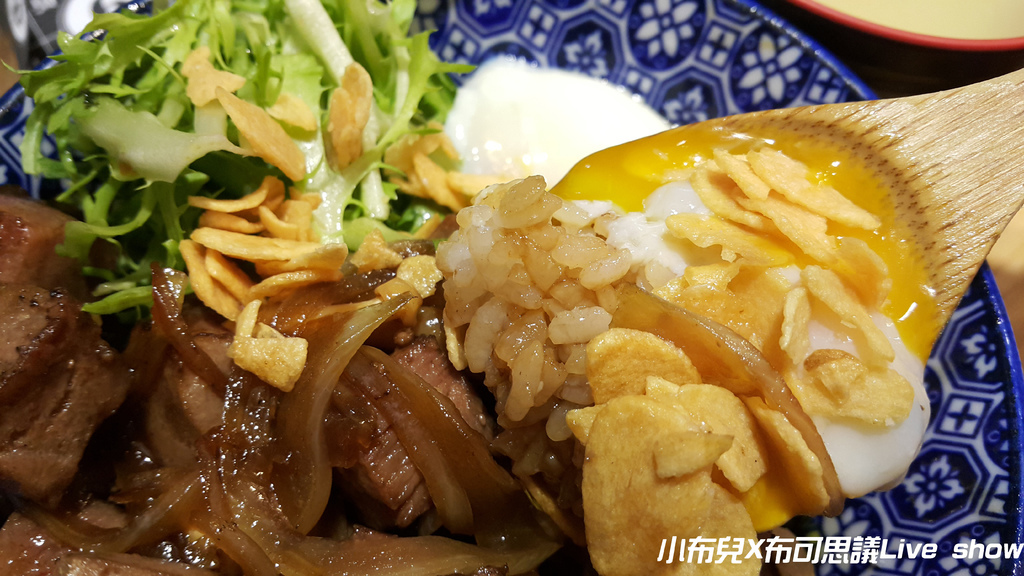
(628, 173)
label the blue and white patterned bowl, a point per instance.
(697, 59)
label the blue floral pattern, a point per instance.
(695, 59)
(663, 32)
(512, 50)
(980, 351)
(976, 564)
(489, 14)
(769, 71)
(934, 486)
(564, 4)
(741, 58)
(587, 52)
(998, 436)
(691, 100)
(857, 519)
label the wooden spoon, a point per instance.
(953, 161)
(950, 161)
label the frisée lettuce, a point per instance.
(133, 146)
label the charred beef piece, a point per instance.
(425, 358)
(374, 466)
(373, 463)
(58, 381)
(29, 234)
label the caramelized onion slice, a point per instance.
(725, 358)
(234, 542)
(419, 555)
(303, 477)
(167, 285)
(159, 519)
(76, 564)
(290, 315)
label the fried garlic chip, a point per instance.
(326, 257)
(229, 222)
(796, 316)
(293, 111)
(401, 153)
(706, 231)
(287, 281)
(809, 231)
(737, 168)
(212, 293)
(838, 385)
(230, 276)
(791, 459)
(647, 477)
(865, 270)
(375, 254)
(421, 273)
(348, 113)
(620, 360)
(264, 135)
(829, 289)
(744, 462)
(701, 448)
(433, 181)
(204, 79)
(299, 213)
(398, 287)
(716, 276)
(252, 248)
(790, 178)
(276, 359)
(751, 304)
(453, 339)
(269, 187)
(717, 191)
(278, 228)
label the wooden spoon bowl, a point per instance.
(946, 167)
(953, 162)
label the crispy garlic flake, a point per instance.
(204, 79)
(272, 231)
(347, 115)
(418, 157)
(278, 360)
(654, 481)
(264, 135)
(667, 455)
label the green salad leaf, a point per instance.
(133, 146)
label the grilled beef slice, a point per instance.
(29, 234)
(58, 381)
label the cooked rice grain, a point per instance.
(532, 281)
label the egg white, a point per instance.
(515, 120)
